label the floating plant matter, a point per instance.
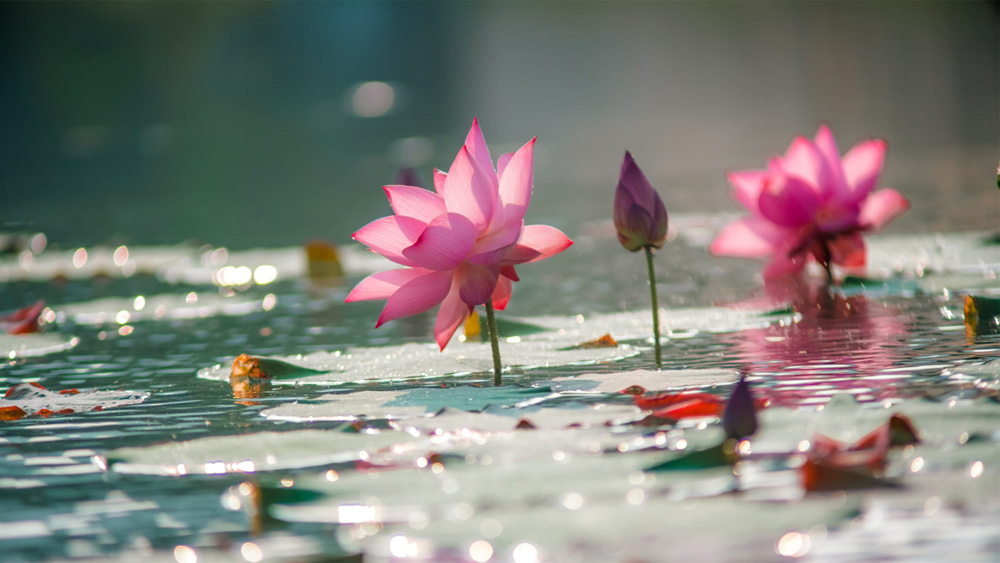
(31, 399)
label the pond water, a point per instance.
(901, 342)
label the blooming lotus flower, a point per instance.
(640, 216)
(459, 243)
(811, 202)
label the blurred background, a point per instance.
(267, 123)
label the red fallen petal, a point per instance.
(821, 446)
(830, 466)
(636, 390)
(29, 312)
(44, 413)
(899, 431)
(11, 413)
(25, 321)
(97, 408)
(820, 476)
(667, 399)
(69, 392)
(525, 424)
(690, 409)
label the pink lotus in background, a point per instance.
(459, 243)
(811, 202)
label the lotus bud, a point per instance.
(640, 216)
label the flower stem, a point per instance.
(491, 323)
(656, 307)
(827, 263)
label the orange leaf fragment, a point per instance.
(247, 366)
(606, 341)
(11, 413)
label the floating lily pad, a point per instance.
(30, 399)
(359, 405)
(180, 264)
(250, 453)
(35, 344)
(545, 419)
(192, 305)
(618, 381)
(639, 324)
(466, 397)
(932, 253)
(417, 361)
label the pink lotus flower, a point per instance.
(811, 202)
(459, 243)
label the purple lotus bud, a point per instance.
(739, 418)
(640, 216)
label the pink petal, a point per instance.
(416, 296)
(848, 250)
(747, 186)
(782, 265)
(477, 282)
(501, 295)
(444, 244)
(750, 237)
(881, 207)
(515, 184)
(509, 272)
(476, 144)
(493, 247)
(788, 201)
(827, 146)
(451, 315)
(862, 166)
(804, 161)
(537, 242)
(439, 179)
(411, 201)
(388, 236)
(502, 163)
(467, 191)
(381, 285)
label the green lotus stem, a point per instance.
(491, 323)
(656, 307)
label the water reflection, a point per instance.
(838, 339)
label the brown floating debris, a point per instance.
(606, 341)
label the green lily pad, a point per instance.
(466, 397)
